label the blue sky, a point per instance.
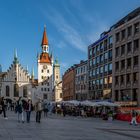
(71, 26)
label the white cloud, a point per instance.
(61, 44)
(76, 34)
(70, 34)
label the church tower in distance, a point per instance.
(45, 69)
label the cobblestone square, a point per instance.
(68, 128)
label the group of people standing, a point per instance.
(24, 108)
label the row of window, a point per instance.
(127, 64)
(81, 87)
(131, 30)
(100, 70)
(120, 51)
(45, 89)
(81, 69)
(43, 71)
(16, 91)
(106, 80)
(126, 95)
(100, 59)
(45, 77)
(81, 78)
(100, 47)
(44, 83)
(128, 78)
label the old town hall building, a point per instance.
(18, 82)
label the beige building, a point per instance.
(2, 74)
(45, 70)
(57, 91)
(81, 85)
(126, 60)
(16, 82)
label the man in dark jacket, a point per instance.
(29, 108)
(3, 108)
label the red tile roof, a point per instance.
(44, 39)
(45, 58)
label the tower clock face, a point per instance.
(45, 67)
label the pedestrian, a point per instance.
(110, 115)
(29, 108)
(3, 108)
(45, 109)
(134, 116)
(12, 106)
(8, 105)
(19, 110)
(38, 108)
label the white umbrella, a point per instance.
(105, 103)
(74, 102)
(89, 103)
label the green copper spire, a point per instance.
(56, 63)
(15, 57)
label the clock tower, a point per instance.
(45, 69)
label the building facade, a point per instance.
(68, 84)
(16, 82)
(45, 70)
(100, 67)
(2, 74)
(126, 60)
(57, 90)
(81, 86)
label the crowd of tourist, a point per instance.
(24, 109)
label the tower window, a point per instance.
(47, 71)
(45, 48)
(42, 71)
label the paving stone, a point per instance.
(68, 128)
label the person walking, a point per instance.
(38, 108)
(19, 110)
(134, 116)
(29, 108)
(2, 103)
(45, 109)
